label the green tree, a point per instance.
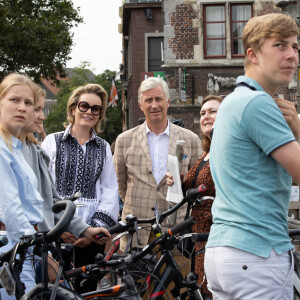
(35, 36)
(81, 76)
(113, 123)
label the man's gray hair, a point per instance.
(150, 83)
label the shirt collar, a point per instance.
(16, 143)
(250, 82)
(68, 133)
(167, 130)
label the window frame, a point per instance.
(228, 7)
(147, 36)
(231, 27)
(205, 33)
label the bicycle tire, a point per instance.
(63, 293)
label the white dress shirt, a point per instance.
(159, 149)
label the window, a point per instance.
(215, 30)
(155, 54)
(215, 35)
(240, 14)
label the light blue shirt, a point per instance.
(252, 189)
(20, 202)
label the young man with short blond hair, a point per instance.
(253, 156)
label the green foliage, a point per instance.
(35, 36)
(81, 76)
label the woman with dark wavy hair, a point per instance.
(200, 174)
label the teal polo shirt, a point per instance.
(252, 189)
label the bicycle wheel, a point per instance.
(38, 293)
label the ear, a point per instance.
(252, 56)
(168, 102)
(140, 105)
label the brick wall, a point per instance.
(138, 26)
(267, 8)
(186, 36)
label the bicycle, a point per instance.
(122, 265)
(167, 257)
(42, 242)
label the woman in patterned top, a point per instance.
(80, 161)
(200, 174)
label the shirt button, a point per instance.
(245, 267)
(153, 208)
(158, 189)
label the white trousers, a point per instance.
(233, 274)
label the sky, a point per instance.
(97, 40)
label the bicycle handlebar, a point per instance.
(65, 220)
(200, 237)
(191, 196)
(181, 226)
(294, 232)
(171, 232)
(131, 257)
(53, 234)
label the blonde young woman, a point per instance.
(82, 161)
(20, 202)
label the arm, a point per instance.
(20, 203)
(108, 210)
(120, 167)
(289, 112)
(288, 156)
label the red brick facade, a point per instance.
(182, 27)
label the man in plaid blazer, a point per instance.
(141, 155)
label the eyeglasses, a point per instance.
(84, 107)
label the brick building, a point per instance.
(195, 45)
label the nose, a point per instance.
(89, 110)
(42, 116)
(21, 106)
(205, 116)
(154, 104)
(293, 54)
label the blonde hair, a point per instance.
(87, 89)
(30, 138)
(40, 92)
(260, 28)
(9, 81)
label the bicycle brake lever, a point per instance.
(136, 228)
(120, 235)
(129, 244)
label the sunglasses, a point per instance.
(84, 107)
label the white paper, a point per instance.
(174, 194)
(295, 193)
